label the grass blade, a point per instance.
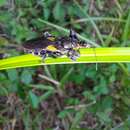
(67, 31)
(107, 19)
(126, 30)
(92, 22)
(88, 55)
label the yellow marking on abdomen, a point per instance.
(51, 48)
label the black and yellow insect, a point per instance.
(52, 46)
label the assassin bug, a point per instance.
(52, 46)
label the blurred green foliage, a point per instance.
(97, 100)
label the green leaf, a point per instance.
(72, 101)
(53, 71)
(78, 79)
(107, 103)
(126, 29)
(12, 74)
(42, 87)
(65, 112)
(104, 117)
(88, 95)
(34, 100)
(26, 77)
(91, 20)
(46, 95)
(26, 117)
(21, 32)
(2, 77)
(126, 100)
(102, 87)
(3, 91)
(65, 77)
(46, 13)
(78, 117)
(2, 2)
(58, 12)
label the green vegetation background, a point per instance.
(65, 96)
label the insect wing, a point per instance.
(38, 43)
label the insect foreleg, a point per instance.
(43, 54)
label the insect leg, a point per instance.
(55, 54)
(73, 54)
(84, 44)
(36, 52)
(43, 54)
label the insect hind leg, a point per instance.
(73, 54)
(43, 54)
(84, 44)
